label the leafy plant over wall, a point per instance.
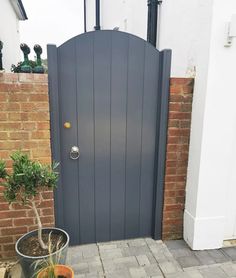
(26, 181)
(17, 68)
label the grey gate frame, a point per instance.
(113, 88)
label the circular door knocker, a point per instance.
(74, 152)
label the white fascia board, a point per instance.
(19, 9)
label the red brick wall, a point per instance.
(24, 124)
(180, 107)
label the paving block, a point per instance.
(234, 265)
(188, 261)
(194, 273)
(80, 276)
(160, 250)
(107, 246)
(219, 256)
(213, 272)
(111, 254)
(150, 241)
(122, 244)
(80, 268)
(137, 272)
(90, 253)
(151, 258)
(204, 257)
(122, 273)
(169, 267)
(156, 249)
(137, 242)
(109, 265)
(90, 259)
(125, 262)
(162, 255)
(126, 252)
(88, 247)
(143, 260)
(230, 251)
(178, 275)
(74, 258)
(95, 275)
(153, 270)
(229, 269)
(176, 244)
(139, 250)
(183, 252)
(74, 253)
(95, 266)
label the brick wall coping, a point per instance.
(23, 77)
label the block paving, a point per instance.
(146, 257)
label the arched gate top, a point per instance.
(110, 33)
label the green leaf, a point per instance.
(27, 178)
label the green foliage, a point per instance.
(27, 178)
(17, 68)
(3, 172)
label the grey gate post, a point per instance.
(161, 139)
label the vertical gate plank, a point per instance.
(118, 133)
(150, 117)
(84, 61)
(134, 131)
(102, 67)
(69, 169)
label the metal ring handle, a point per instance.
(74, 152)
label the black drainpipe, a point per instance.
(97, 26)
(85, 17)
(152, 21)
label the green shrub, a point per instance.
(25, 182)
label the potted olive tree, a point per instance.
(24, 184)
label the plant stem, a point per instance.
(42, 244)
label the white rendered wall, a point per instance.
(182, 26)
(211, 189)
(9, 34)
(129, 15)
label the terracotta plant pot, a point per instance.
(59, 270)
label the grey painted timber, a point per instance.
(113, 88)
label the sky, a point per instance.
(51, 22)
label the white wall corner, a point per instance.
(203, 233)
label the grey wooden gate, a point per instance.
(109, 96)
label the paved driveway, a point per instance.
(148, 258)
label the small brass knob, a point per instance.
(67, 125)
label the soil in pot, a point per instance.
(30, 246)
